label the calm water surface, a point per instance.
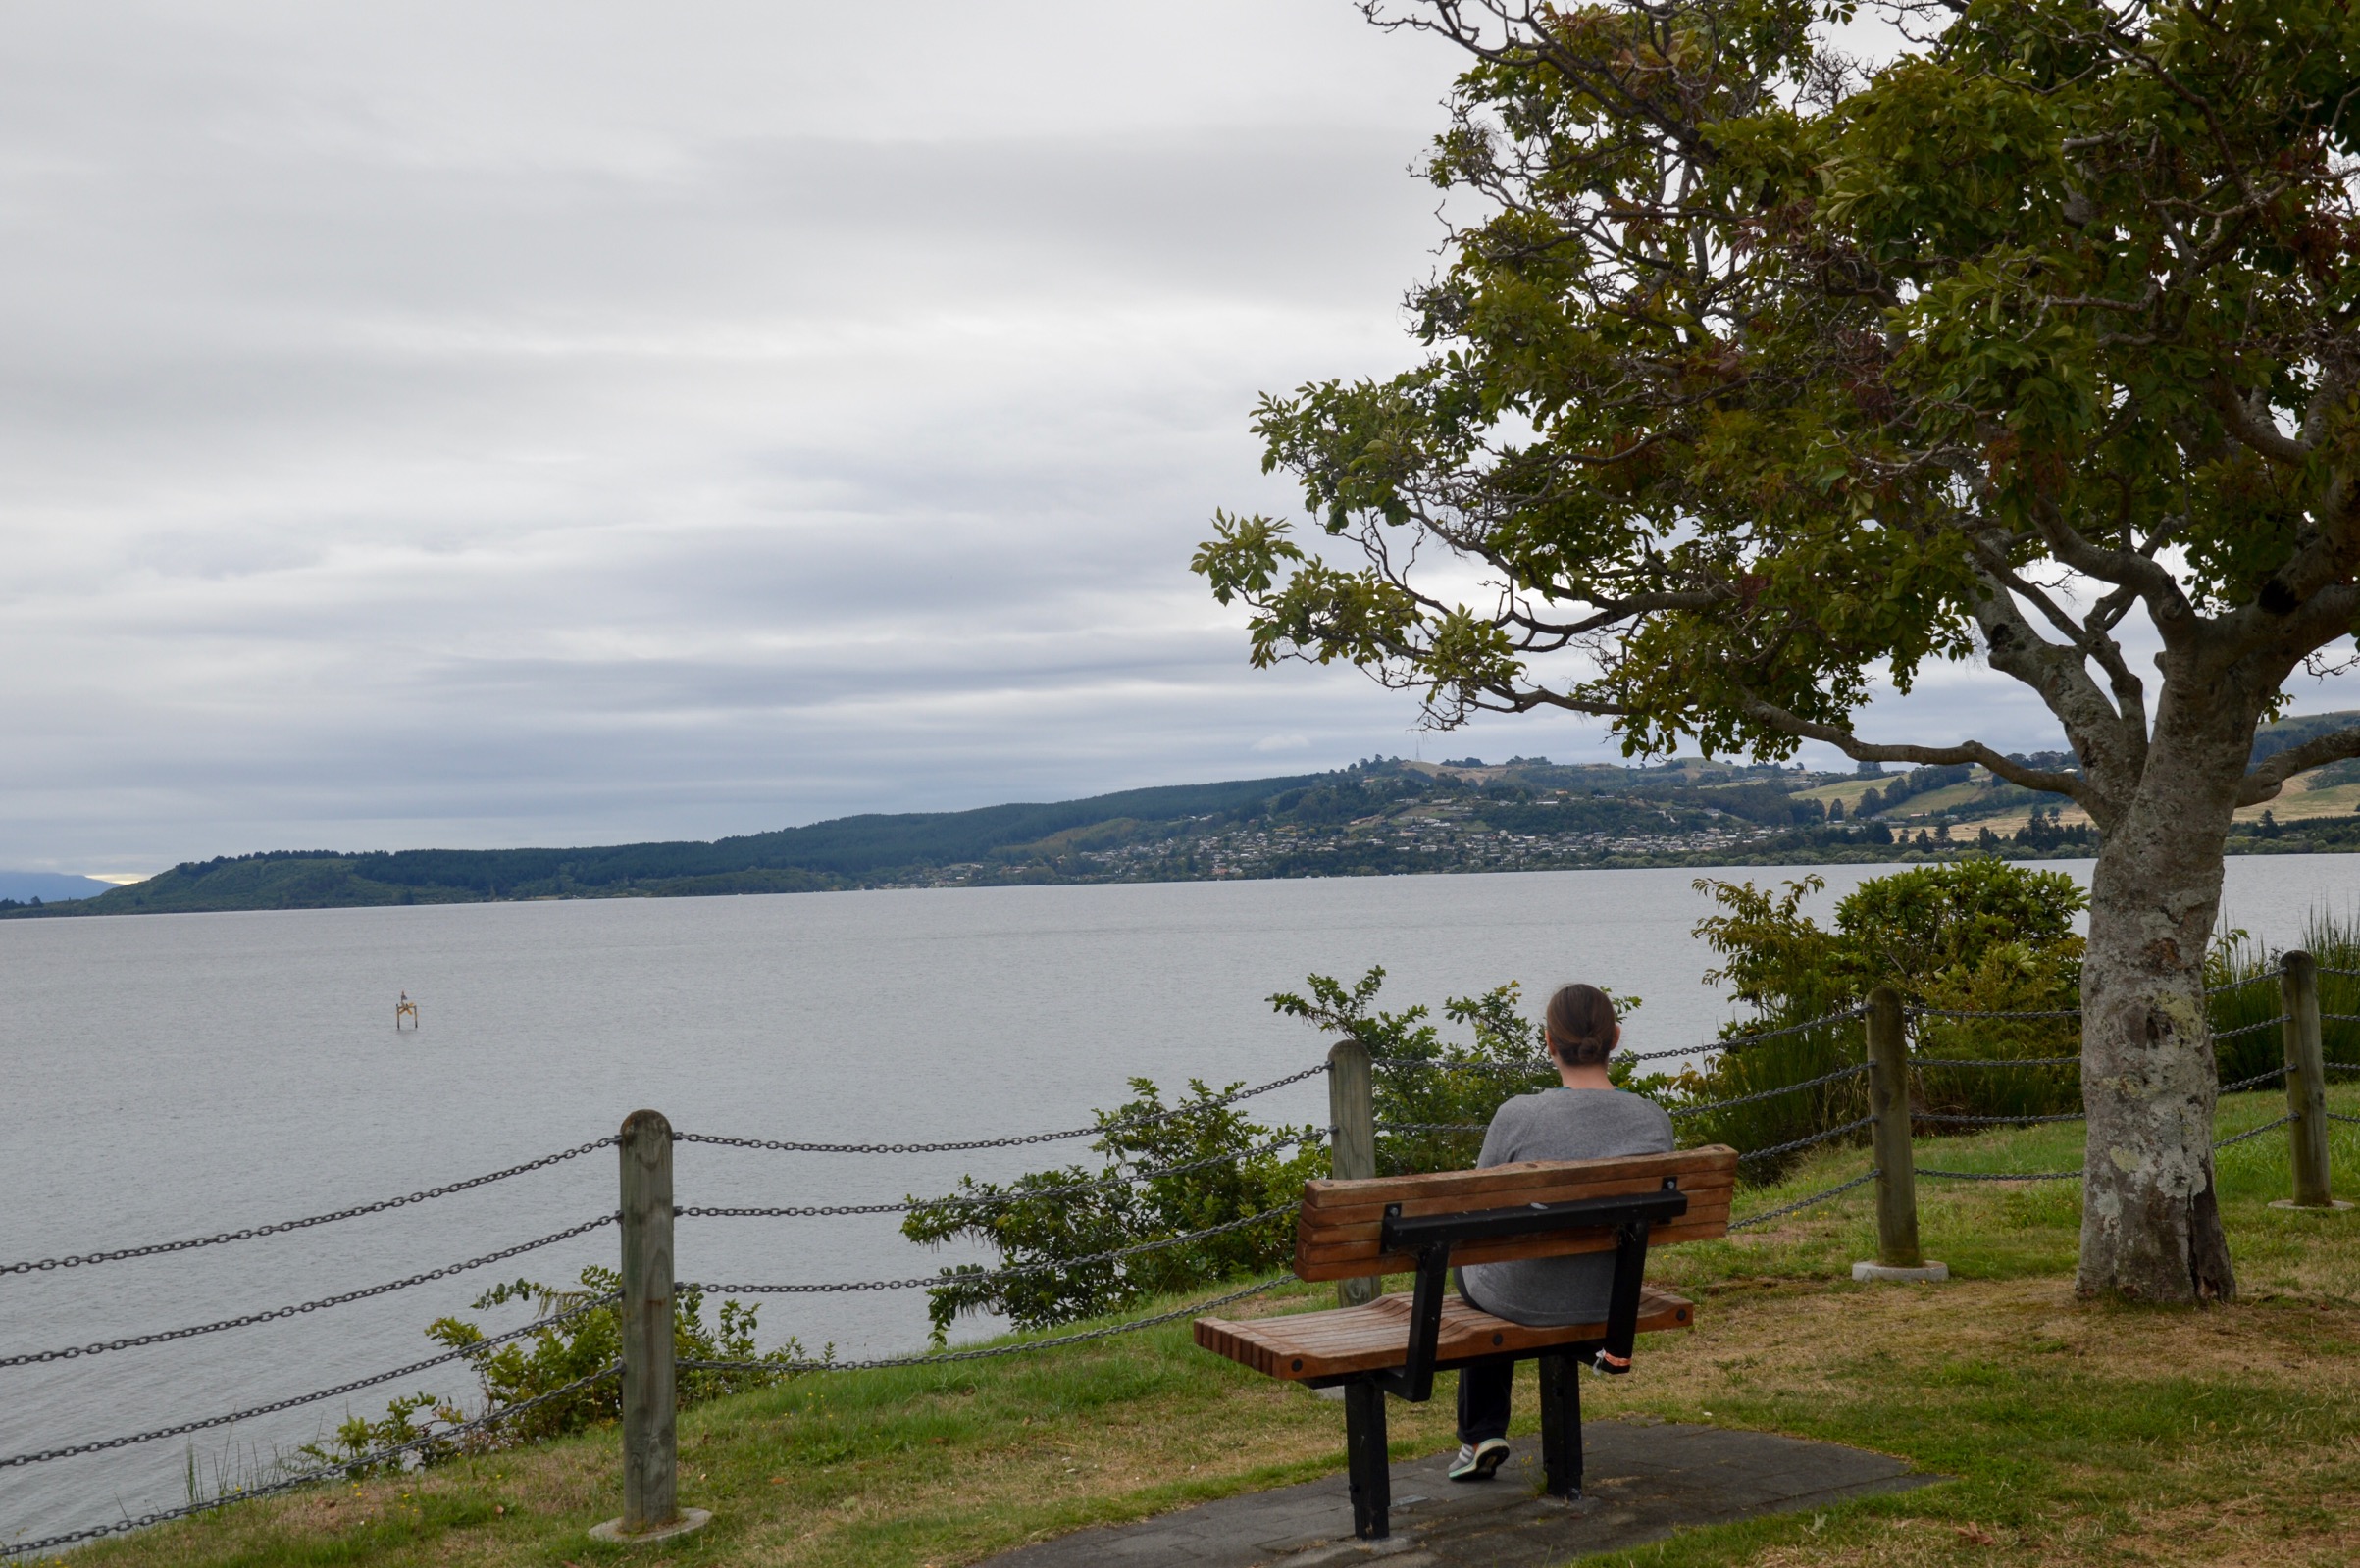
(174, 1075)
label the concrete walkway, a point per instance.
(1644, 1481)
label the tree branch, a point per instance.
(2166, 603)
(2259, 433)
(2071, 785)
(2266, 780)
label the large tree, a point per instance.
(1754, 376)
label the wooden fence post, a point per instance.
(1898, 1256)
(2306, 1083)
(1352, 1145)
(651, 1508)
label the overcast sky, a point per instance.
(499, 422)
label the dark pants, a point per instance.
(1483, 1401)
(1483, 1392)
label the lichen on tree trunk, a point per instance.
(2151, 1217)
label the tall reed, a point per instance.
(2245, 976)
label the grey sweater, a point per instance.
(1560, 1124)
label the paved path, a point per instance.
(1644, 1482)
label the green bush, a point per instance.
(1979, 935)
(516, 1371)
(1047, 1221)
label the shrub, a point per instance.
(1046, 1222)
(516, 1371)
(1977, 935)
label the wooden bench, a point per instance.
(1424, 1224)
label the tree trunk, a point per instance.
(2150, 1218)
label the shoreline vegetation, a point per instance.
(1380, 817)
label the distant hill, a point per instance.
(50, 886)
(847, 852)
(1375, 818)
(1339, 822)
(2273, 738)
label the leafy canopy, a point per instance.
(1759, 376)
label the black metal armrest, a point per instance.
(1431, 1237)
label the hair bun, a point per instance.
(1580, 1023)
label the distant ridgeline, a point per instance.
(1376, 818)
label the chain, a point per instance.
(2338, 1116)
(1995, 1061)
(2075, 1176)
(1675, 1112)
(987, 1277)
(1007, 1200)
(1985, 1121)
(2247, 1029)
(2347, 973)
(991, 1353)
(1544, 1065)
(252, 1232)
(308, 1477)
(2076, 1061)
(1780, 1213)
(680, 1213)
(1531, 1068)
(2266, 1127)
(272, 1316)
(1805, 1142)
(1857, 1010)
(277, 1405)
(1854, 1071)
(1100, 1131)
(1915, 1011)
(1294, 1140)
(2342, 1017)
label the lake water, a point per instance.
(174, 1075)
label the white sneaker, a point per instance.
(1479, 1461)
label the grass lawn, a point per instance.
(2078, 1434)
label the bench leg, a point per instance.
(1561, 1424)
(1365, 1444)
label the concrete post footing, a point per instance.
(1885, 1273)
(690, 1519)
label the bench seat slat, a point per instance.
(1341, 1341)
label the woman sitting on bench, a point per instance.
(1586, 1119)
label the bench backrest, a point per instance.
(1338, 1235)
